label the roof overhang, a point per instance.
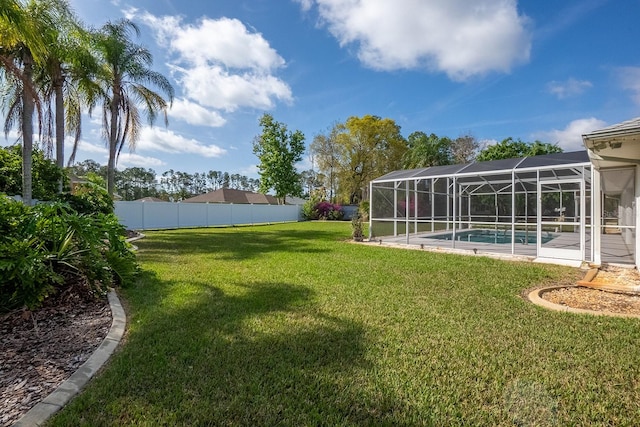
(614, 146)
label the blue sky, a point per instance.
(536, 69)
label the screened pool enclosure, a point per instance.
(549, 208)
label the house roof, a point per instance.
(230, 195)
(149, 199)
(616, 145)
(620, 129)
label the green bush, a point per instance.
(89, 197)
(49, 246)
(308, 209)
(46, 175)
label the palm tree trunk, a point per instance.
(27, 130)
(59, 129)
(113, 144)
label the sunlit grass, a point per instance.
(291, 325)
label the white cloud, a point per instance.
(305, 4)
(630, 80)
(219, 63)
(458, 37)
(195, 114)
(86, 147)
(127, 160)
(484, 143)
(12, 138)
(250, 171)
(570, 138)
(215, 87)
(569, 88)
(157, 139)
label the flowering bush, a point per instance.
(322, 210)
(326, 210)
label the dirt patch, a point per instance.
(41, 349)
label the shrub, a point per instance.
(329, 211)
(363, 210)
(49, 246)
(89, 197)
(357, 232)
(308, 209)
(45, 173)
(316, 209)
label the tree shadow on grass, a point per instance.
(233, 244)
(261, 356)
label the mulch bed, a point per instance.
(41, 349)
(594, 299)
(599, 300)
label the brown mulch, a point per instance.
(600, 300)
(41, 349)
(595, 299)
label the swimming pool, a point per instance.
(499, 237)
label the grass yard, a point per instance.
(290, 325)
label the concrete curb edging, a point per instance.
(536, 298)
(79, 379)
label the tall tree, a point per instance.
(510, 148)
(136, 182)
(66, 78)
(369, 146)
(427, 150)
(278, 150)
(125, 71)
(463, 149)
(22, 47)
(326, 152)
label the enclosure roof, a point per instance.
(490, 167)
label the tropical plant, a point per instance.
(66, 79)
(49, 246)
(123, 75)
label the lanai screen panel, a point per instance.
(497, 197)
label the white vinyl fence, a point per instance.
(161, 215)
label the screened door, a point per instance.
(561, 219)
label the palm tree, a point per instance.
(66, 79)
(21, 47)
(125, 71)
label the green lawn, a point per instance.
(290, 325)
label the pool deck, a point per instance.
(613, 248)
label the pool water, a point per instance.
(499, 237)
